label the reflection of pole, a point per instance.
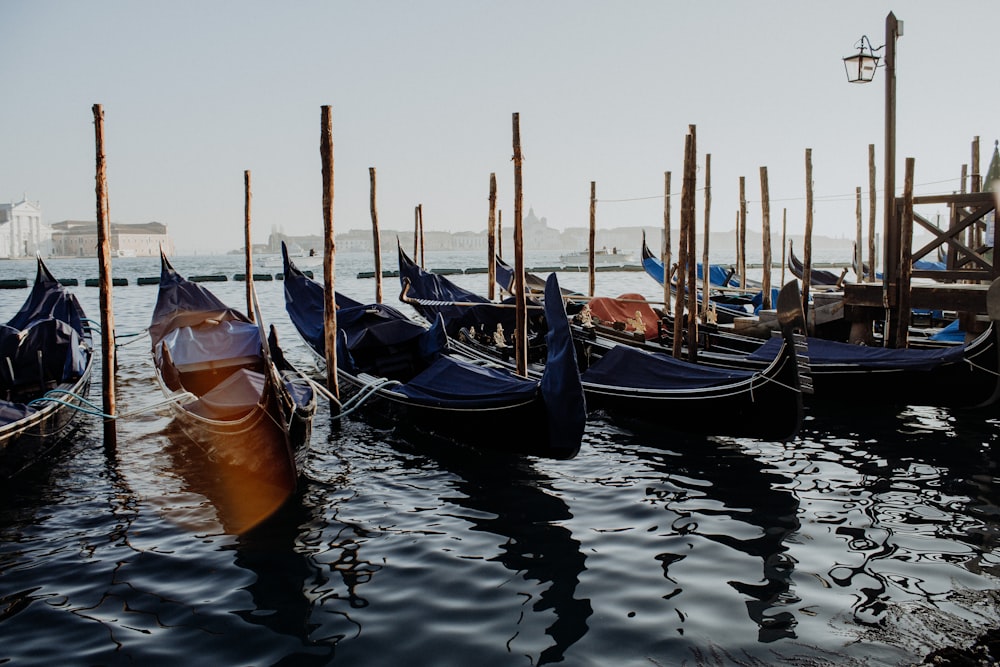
(890, 261)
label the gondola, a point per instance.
(820, 277)
(643, 388)
(948, 375)
(403, 373)
(727, 305)
(230, 388)
(47, 350)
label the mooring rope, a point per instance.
(90, 409)
(366, 392)
(137, 336)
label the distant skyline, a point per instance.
(196, 93)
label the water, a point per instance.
(869, 540)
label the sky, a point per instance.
(196, 93)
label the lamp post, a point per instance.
(861, 69)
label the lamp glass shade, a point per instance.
(861, 67)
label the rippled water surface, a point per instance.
(870, 539)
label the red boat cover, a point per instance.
(627, 308)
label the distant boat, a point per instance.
(302, 259)
(602, 257)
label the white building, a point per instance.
(22, 233)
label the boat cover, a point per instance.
(13, 412)
(367, 334)
(453, 382)
(625, 309)
(229, 339)
(48, 299)
(232, 398)
(181, 303)
(950, 334)
(821, 351)
(626, 366)
(444, 293)
(44, 337)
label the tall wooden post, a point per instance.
(784, 243)
(682, 260)
(807, 241)
(706, 282)
(423, 240)
(859, 256)
(905, 257)
(491, 240)
(109, 360)
(416, 234)
(890, 235)
(665, 250)
(977, 186)
(871, 213)
(690, 185)
(376, 238)
(500, 232)
(520, 305)
(329, 254)
(743, 233)
(592, 237)
(248, 255)
(765, 204)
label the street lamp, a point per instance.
(861, 65)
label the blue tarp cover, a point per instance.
(625, 366)
(232, 398)
(181, 303)
(950, 334)
(453, 382)
(822, 351)
(12, 412)
(210, 342)
(428, 286)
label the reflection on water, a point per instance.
(508, 498)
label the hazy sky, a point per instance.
(195, 93)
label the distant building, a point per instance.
(78, 238)
(22, 233)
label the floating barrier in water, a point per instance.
(149, 280)
(69, 282)
(241, 277)
(371, 274)
(211, 278)
(13, 283)
(115, 282)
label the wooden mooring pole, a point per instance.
(592, 239)
(329, 254)
(807, 241)
(521, 328)
(665, 251)
(872, 266)
(705, 279)
(376, 238)
(690, 185)
(742, 249)
(248, 255)
(109, 360)
(903, 314)
(682, 260)
(491, 241)
(765, 218)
